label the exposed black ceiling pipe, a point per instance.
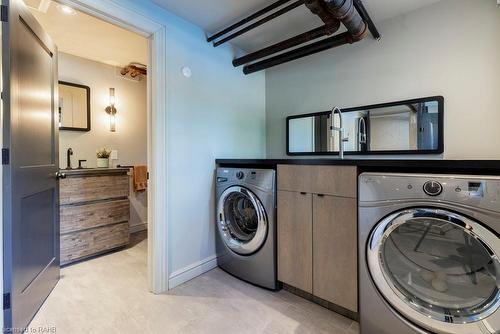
(286, 44)
(351, 13)
(261, 22)
(248, 19)
(325, 44)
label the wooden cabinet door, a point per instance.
(328, 180)
(335, 250)
(295, 239)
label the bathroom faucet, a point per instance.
(340, 130)
(69, 153)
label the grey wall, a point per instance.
(218, 112)
(450, 48)
(130, 138)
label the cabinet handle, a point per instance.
(303, 193)
(321, 195)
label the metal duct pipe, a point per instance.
(345, 11)
(366, 17)
(319, 8)
(324, 44)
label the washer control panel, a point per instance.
(262, 178)
(433, 188)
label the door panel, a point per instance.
(295, 239)
(35, 100)
(30, 187)
(36, 240)
(335, 251)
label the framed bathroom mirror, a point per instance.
(74, 107)
(404, 127)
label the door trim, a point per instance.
(158, 219)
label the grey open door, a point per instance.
(30, 165)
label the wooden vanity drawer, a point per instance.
(328, 180)
(81, 217)
(93, 188)
(85, 243)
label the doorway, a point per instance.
(156, 116)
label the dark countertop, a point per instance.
(482, 167)
(94, 171)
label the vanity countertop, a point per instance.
(94, 171)
(482, 167)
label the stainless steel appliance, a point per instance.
(246, 224)
(428, 254)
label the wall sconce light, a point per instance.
(111, 110)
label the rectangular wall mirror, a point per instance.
(74, 107)
(403, 127)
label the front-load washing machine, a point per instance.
(246, 224)
(429, 252)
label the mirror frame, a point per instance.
(438, 150)
(87, 88)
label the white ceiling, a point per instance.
(212, 15)
(88, 37)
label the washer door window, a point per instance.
(437, 268)
(242, 220)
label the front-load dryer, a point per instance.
(429, 252)
(246, 224)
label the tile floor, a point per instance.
(109, 294)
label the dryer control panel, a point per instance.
(477, 191)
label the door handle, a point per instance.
(60, 175)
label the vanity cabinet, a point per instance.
(94, 212)
(317, 231)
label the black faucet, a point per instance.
(80, 163)
(69, 153)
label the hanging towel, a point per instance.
(140, 178)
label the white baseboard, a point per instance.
(138, 227)
(189, 272)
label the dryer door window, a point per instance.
(436, 267)
(242, 220)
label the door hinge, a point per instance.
(6, 301)
(4, 13)
(5, 156)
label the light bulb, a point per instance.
(66, 10)
(112, 123)
(112, 99)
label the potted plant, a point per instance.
(103, 157)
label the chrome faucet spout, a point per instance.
(340, 129)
